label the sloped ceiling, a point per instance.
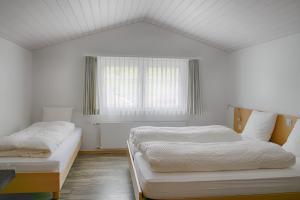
(226, 24)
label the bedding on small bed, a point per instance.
(222, 156)
(38, 140)
(203, 134)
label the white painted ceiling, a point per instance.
(226, 24)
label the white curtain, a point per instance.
(135, 88)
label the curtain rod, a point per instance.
(144, 56)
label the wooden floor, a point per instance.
(94, 177)
(98, 177)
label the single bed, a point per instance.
(244, 184)
(43, 174)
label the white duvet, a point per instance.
(203, 134)
(38, 140)
(240, 155)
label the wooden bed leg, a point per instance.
(55, 195)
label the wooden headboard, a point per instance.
(281, 131)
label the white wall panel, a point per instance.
(58, 75)
(266, 76)
(15, 87)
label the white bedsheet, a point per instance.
(222, 183)
(55, 163)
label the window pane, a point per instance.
(164, 85)
(119, 83)
(121, 87)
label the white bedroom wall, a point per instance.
(15, 87)
(58, 75)
(266, 76)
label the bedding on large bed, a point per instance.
(38, 140)
(240, 155)
(203, 134)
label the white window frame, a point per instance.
(141, 113)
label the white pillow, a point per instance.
(57, 114)
(260, 126)
(293, 142)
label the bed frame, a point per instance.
(33, 182)
(241, 115)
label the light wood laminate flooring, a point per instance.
(97, 177)
(92, 177)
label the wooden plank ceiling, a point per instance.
(226, 24)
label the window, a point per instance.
(142, 88)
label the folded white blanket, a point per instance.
(214, 133)
(241, 155)
(38, 140)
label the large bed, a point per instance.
(243, 184)
(43, 174)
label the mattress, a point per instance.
(55, 163)
(222, 183)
